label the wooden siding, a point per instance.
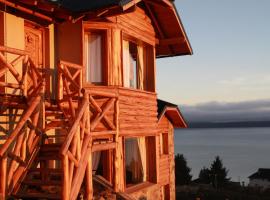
(166, 161)
(164, 168)
(69, 42)
(138, 113)
(136, 23)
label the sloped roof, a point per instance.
(262, 173)
(171, 36)
(172, 112)
(88, 5)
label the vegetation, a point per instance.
(208, 193)
(204, 176)
(182, 171)
(216, 175)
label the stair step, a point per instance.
(63, 134)
(49, 152)
(53, 146)
(59, 112)
(49, 157)
(57, 120)
(55, 126)
(52, 107)
(42, 183)
(48, 170)
(37, 196)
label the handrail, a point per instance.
(72, 73)
(20, 148)
(33, 105)
(69, 86)
(76, 123)
(29, 77)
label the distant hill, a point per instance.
(224, 115)
(245, 124)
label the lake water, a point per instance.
(243, 150)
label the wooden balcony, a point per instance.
(137, 110)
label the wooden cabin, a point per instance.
(79, 114)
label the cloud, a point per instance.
(250, 81)
(217, 111)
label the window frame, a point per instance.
(164, 147)
(146, 49)
(105, 50)
(149, 178)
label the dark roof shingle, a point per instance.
(88, 5)
(262, 173)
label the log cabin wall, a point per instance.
(68, 42)
(166, 159)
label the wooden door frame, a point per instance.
(44, 39)
(50, 75)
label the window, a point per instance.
(135, 160)
(130, 70)
(164, 143)
(102, 164)
(140, 160)
(94, 49)
(138, 65)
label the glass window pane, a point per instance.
(130, 64)
(94, 58)
(135, 166)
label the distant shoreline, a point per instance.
(244, 124)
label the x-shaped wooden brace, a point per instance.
(101, 113)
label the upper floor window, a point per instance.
(138, 65)
(94, 50)
(130, 64)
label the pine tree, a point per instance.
(182, 171)
(218, 173)
(204, 176)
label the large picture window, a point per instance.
(94, 49)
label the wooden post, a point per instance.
(65, 189)
(88, 176)
(3, 180)
(116, 151)
(60, 82)
(25, 77)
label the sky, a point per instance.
(231, 60)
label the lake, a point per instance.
(243, 150)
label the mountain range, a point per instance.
(235, 114)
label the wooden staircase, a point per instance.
(46, 153)
(44, 178)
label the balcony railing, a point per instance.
(18, 73)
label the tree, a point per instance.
(218, 173)
(204, 176)
(182, 171)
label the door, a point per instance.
(34, 43)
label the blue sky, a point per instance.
(231, 61)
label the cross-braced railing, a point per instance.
(77, 147)
(22, 145)
(69, 86)
(18, 73)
